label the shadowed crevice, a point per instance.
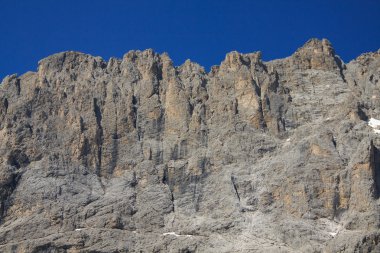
(341, 67)
(376, 153)
(99, 135)
(6, 104)
(7, 187)
(18, 87)
(233, 181)
(115, 148)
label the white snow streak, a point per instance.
(173, 233)
(375, 124)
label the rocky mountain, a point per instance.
(138, 155)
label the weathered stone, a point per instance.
(137, 155)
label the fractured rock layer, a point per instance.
(139, 155)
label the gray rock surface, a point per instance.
(137, 155)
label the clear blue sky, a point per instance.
(202, 30)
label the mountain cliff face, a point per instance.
(137, 155)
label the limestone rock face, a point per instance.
(138, 155)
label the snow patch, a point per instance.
(170, 233)
(78, 229)
(331, 228)
(375, 124)
(173, 233)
